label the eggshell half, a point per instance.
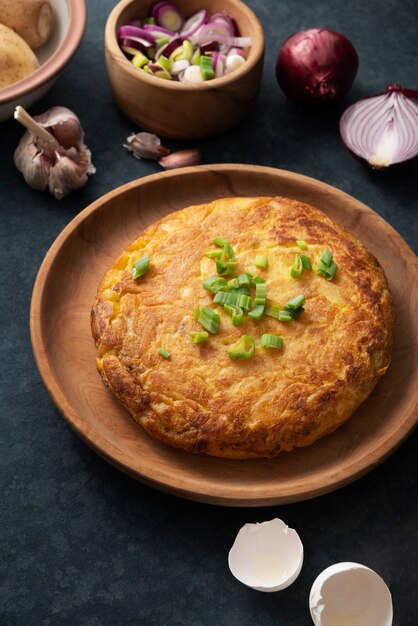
(267, 556)
(350, 594)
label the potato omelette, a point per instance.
(228, 396)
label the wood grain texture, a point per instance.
(178, 110)
(65, 353)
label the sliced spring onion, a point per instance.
(210, 320)
(271, 341)
(243, 289)
(233, 283)
(306, 262)
(199, 337)
(226, 297)
(164, 353)
(243, 349)
(244, 279)
(226, 268)
(140, 267)
(285, 316)
(219, 241)
(261, 261)
(256, 280)
(196, 312)
(260, 293)
(206, 68)
(214, 284)
(214, 254)
(326, 257)
(327, 266)
(294, 303)
(301, 244)
(297, 312)
(272, 309)
(257, 312)
(297, 267)
(228, 253)
(139, 60)
(244, 301)
(236, 313)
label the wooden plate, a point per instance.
(65, 353)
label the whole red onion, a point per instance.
(316, 66)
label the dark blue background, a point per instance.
(83, 544)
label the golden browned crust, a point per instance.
(199, 399)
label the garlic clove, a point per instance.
(65, 176)
(32, 164)
(64, 124)
(145, 146)
(182, 158)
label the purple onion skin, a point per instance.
(316, 66)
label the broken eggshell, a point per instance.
(350, 594)
(267, 556)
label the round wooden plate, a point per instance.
(65, 353)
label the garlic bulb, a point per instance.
(52, 154)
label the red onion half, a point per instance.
(316, 66)
(383, 129)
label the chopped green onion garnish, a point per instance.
(164, 62)
(285, 316)
(294, 303)
(243, 349)
(228, 253)
(260, 293)
(140, 267)
(206, 68)
(199, 337)
(261, 261)
(164, 353)
(271, 341)
(220, 241)
(149, 20)
(306, 262)
(257, 279)
(301, 244)
(272, 309)
(214, 283)
(244, 279)
(243, 289)
(196, 312)
(244, 302)
(257, 312)
(233, 283)
(214, 254)
(210, 320)
(235, 312)
(225, 297)
(297, 267)
(226, 268)
(326, 257)
(327, 266)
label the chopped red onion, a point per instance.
(211, 46)
(158, 31)
(168, 16)
(224, 19)
(383, 129)
(239, 51)
(169, 47)
(135, 33)
(194, 23)
(135, 42)
(214, 31)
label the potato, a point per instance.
(31, 19)
(16, 58)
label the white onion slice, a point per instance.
(383, 129)
(179, 66)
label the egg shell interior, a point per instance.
(350, 594)
(266, 556)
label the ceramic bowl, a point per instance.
(69, 23)
(183, 110)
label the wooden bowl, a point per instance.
(66, 355)
(69, 24)
(178, 110)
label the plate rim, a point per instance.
(83, 428)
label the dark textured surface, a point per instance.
(82, 544)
